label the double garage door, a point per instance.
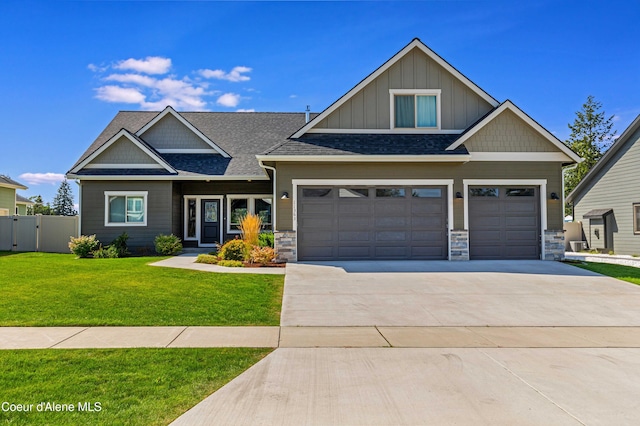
(410, 222)
(372, 222)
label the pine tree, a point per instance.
(63, 201)
(39, 207)
(590, 137)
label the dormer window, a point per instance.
(415, 109)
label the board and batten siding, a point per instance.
(615, 187)
(159, 220)
(552, 172)
(370, 107)
(170, 133)
(123, 151)
(508, 133)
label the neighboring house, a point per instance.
(414, 162)
(22, 204)
(8, 189)
(607, 200)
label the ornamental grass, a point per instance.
(250, 228)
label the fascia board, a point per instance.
(462, 158)
(522, 115)
(111, 141)
(166, 178)
(179, 117)
(415, 43)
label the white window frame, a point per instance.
(636, 208)
(143, 194)
(251, 207)
(415, 92)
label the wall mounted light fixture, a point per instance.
(285, 196)
(458, 194)
(554, 196)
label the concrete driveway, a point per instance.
(564, 381)
(480, 293)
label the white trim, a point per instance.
(274, 185)
(251, 207)
(11, 186)
(395, 58)
(4, 212)
(179, 117)
(111, 141)
(519, 156)
(357, 158)
(418, 131)
(205, 178)
(143, 194)
(541, 183)
(187, 151)
(415, 92)
(374, 182)
(199, 199)
(122, 166)
(517, 111)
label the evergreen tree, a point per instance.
(39, 207)
(591, 136)
(63, 201)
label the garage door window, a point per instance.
(426, 192)
(389, 192)
(484, 192)
(354, 192)
(520, 192)
(316, 192)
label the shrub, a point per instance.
(231, 263)
(250, 228)
(611, 253)
(83, 245)
(262, 255)
(234, 250)
(167, 245)
(109, 252)
(100, 253)
(265, 239)
(207, 258)
(118, 247)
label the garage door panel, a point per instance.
(391, 252)
(354, 236)
(318, 209)
(399, 236)
(354, 252)
(353, 223)
(319, 253)
(482, 207)
(421, 236)
(480, 222)
(318, 236)
(312, 223)
(522, 221)
(355, 208)
(391, 222)
(391, 207)
(520, 235)
(427, 251)
(430, 222)
(429, 208)
(486, 236)
(520, 208)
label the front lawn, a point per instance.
(621, 272)
(118, 386)
(45, 289)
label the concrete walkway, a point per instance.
(187, 261)
(318, 337)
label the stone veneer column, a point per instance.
(553, 245)
(285, 245)
(459, 244)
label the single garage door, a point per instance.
(504, 222)
(367, 222)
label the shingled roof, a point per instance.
(6, 181)
(242, 135)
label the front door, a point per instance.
(210, 225)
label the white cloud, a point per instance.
(230, 100)
(148, 65)
(293, 96)
(42, 178)
(142, 80)
(126, 95)
(235, 75)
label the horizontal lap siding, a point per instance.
(159, 217)
(616, 187)
(552, 172)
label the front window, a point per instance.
(636, 218)
(125, 208)
(415, 109)
(239, 206)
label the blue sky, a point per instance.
(67, 67)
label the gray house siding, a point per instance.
(123, 151)
(169, 133)
(159, 218)
(370, 107)
(615, 187)
(552, 172)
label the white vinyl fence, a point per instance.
(37, 233)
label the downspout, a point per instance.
(79, 183)
(273, 210)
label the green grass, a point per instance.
(133, 386)
(44, 289)
(621, 272)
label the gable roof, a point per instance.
(242, 135)
(23, 200)
(169, 110)
(415, 43)
(508, 105)
(142, 145)
(7, 182)
(623, 140)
